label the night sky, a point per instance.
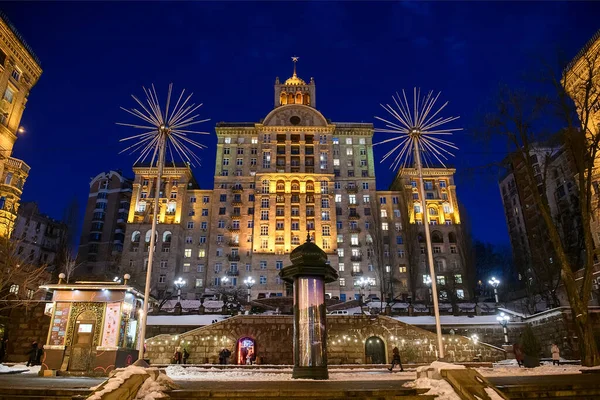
(94, 55)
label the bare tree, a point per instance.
(20, 275)
(519, 119)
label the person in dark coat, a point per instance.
(32, 354)
(222, 356)
(3, 348)
(396, 359)
(186, 355)
(39, 355)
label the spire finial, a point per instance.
(295, 60)
(308, 237)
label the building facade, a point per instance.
(38, 237)
(19, 72)
(104, 224)
(295, 174)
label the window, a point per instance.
(278, 264)
(383, 213)
(402, 269)
(447, 208)
(200, 268)
(384, 226)
(382, 200)
(163, 264)
(460, 293)
(227, 140)
(442, 184)
(9, 95)
(202, 239)
(457, 278)
(336, 140)
(203, 225)
(239, 161)
(190, 225)
(199, 282)
(352, 198)
(453, 250)
(340, 253)
(324, 203)
(365, 185)
(162, 279)
(264, 230)
(267, 159)
(201, 253)
(264, 203)
(399, 240)
(14, 289)
(349, 151)
(264, 215)
(437, 249)
(186, 267)
(264, 243)
(338, 198)
(326, 230)
(263, 280)
(221, 224)
(417, 209)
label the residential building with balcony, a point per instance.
(19, 72)
(104, 225)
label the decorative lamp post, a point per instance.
(249, 282)
(495, 282)
(309, 273)
(179, 283)
(164, 130)
(224, 281)
(503, 320)
(418, 128)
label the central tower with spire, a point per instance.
(295, 90)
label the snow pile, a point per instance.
(179, 373)
(19, 368)
(514, 370)
(492, 394)
(114, 382)
(433, 370)
(155, 388)
(437, 387)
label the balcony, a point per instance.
(232, 273)
(351, 189)
(232, 228)
(236, 189)
(356, 244)
(356, 258)
(357, 273)
(355, 229)
(233, 257)
(354, 216)
(236, 202)
(233, 244)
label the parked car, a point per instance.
(338, 312)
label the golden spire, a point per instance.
(294, 80)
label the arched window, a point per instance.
(280, 186)
(167, 237)
(283, 98)
(148, 236)
(141, 206)
(295, 186)
(171, 207)
(298, 98)
(265, 186)
(310, 186)
(436, 237)
(290, 98)
(433, 211)
(306, 98)
(135, 237)
(452, 237)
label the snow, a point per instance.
(180, 373)
(440, 388)
(23, 368)
(186, 320)
(511, 368)
(116, 381)
(155, 389)
(492, 394)
(449, 320)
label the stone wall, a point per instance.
(346, 341)
(25, 325)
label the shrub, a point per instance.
(529, 343)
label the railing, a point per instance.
(232, 243)
(232, 273)
(357, 273)
(356, 258)
(354, 230)
(354, 216)
(233, 257)
(352, 189)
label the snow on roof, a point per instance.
(449, 320)
(185, 320)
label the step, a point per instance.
(266, 393)
(42, 393)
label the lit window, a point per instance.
(227, 140)
(14, 289)
(402, 269)
(9, 95)
(460, 293)
(341, 267)
(384, 226)
(187, 253)
(201, 253)
(342, 281)
(199, 282)
(186, 267)
(349, 151)
(457, 278)
(348, 140)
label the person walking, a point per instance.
(555, 354)
(186, 355)
(32, 354)
(518, 354)
(396, 360)
(3, 348)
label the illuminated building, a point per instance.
(19, 72)
(293, 174)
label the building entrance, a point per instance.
(375, 350)
(246, 351)
(81, 352)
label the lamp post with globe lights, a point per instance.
(179, 283)
(249, 282)
(362, 284)
(503, 320)
(495, 283)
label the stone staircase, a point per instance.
(43, 393)
(553, 392)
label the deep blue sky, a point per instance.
(94, 55)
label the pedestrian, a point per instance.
(32, 354)
(222, 356)
(3, 348)
(249, 356)
(186, 355)
(39, 355)
(518, 354)
(555, 354)
(177, 355)
(227, 355)
(396, 359)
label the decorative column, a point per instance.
(309, 273)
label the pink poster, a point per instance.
(111, 325)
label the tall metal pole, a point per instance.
(438, 327)
(161, 161)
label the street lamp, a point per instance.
(362, 284)
(116, 279)
(179, 283)
(474, 338)
(249, 282)
(495, 282)
(224, 281)
(503, 320)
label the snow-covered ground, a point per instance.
(179, 373)
(511, 368)
(4, 369)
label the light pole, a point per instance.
(179, 283)
(224, 281)
(495, 282)
(362, 284)
(249, 282)
(503, 320)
